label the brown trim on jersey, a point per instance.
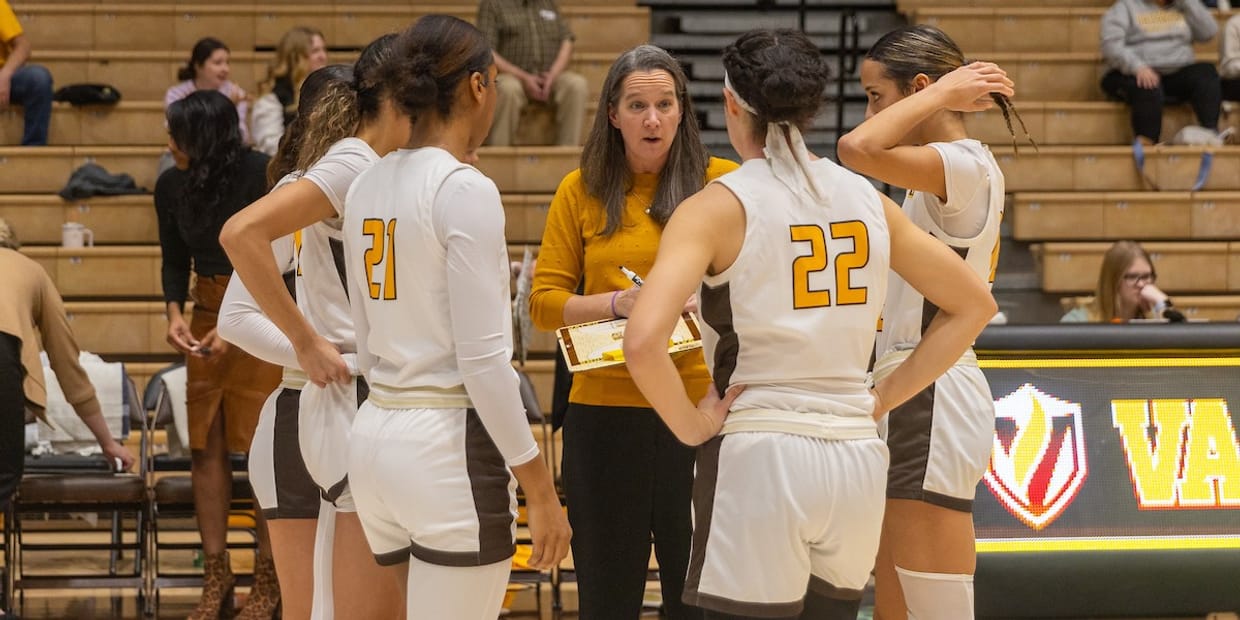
(457, 559)
(337, 248)
(290, 283)
(488, 480)
(334, 492)
(297, 496)
(392, 558)
(821, 586)
(728, 606)
(705, 480)
(929, 310)
(716, 307)
(363, 391)
(908, 439)
(947, 501)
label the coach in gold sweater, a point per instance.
(32, 313)
(626, 477)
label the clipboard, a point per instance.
(600, 344)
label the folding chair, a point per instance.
(64, 484)
(172, 497)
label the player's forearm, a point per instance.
(945, 340)
(251, 257)
(862, 148)
(656, 376)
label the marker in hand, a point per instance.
(628, 273)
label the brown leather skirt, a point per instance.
(232, 384)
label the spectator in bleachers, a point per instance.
(533, 45)
(216, 176)
(1126, 290)
(1229, 59)
(22, 83)
(301, 51)
(627, 478)
(207, 69)
(1148, 45)
(32, 318)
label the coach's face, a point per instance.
(648, 114)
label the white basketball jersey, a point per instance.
(397, 254)
(321, 289)
(793, 317)
(973, 211)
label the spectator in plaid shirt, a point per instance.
(532, 46)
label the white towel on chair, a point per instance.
(174, 383)
(68, 433)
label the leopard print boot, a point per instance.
(217, 588)
(264, 597)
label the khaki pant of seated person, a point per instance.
(568, 95)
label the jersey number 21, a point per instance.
(382, 246)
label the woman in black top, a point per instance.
(215, 176)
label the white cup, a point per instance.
(74, 235)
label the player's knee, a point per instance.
(937, 596)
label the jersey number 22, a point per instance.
(818, 260)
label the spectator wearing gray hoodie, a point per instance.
(1229, 59)
(1148, 45)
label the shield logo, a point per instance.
(1038, 463)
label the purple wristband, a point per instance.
(613, 304)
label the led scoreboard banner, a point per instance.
(1114, 481)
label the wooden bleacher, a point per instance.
(167, 27)
(1049, 216)
(1079, 123)
(113, 290)
(1196, 267)
(1028, 29)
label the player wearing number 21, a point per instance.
(436, 445)
(790, 255)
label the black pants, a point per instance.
(12, 416)
(1197, 84)
(1231, 89)
(627, 479)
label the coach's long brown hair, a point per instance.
(604, 168)
(907, 52)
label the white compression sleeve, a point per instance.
(470, 218)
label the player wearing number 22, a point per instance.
(791, 254)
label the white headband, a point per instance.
(790, 161)
(740, 101)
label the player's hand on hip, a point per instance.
(549, 531)
(691, 304)
(322, 362)
(715, 408)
